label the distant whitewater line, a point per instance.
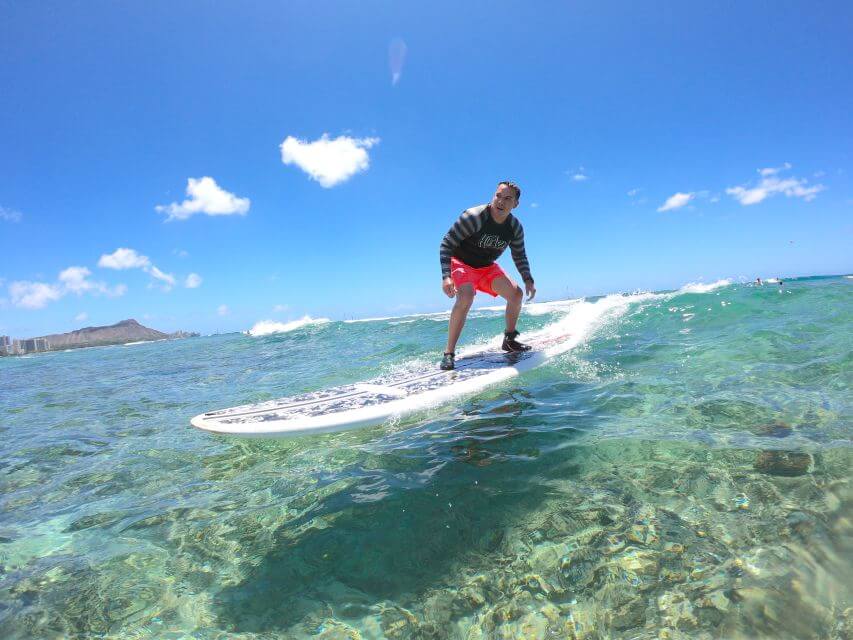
(268, 327)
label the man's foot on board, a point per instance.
(511, 344)
(448, 362)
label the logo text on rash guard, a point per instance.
(488, 241)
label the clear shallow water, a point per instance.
(683, 472)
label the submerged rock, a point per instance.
(784, 463)
(335, 630)
(398, 622)
(776, 429)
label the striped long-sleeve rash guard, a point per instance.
(477, 240)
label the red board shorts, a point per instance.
(481, 279)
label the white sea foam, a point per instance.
(535, 308)
(581, 320)
(267, 327)
(543, 308)
(699, 287)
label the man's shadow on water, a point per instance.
(348, 554)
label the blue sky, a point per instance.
(655, 145)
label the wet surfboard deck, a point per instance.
(373, 402)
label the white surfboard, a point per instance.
(372, 403)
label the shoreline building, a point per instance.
(35, 345)
(10, 346)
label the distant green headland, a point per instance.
(120, 333)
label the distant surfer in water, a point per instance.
(468, 254)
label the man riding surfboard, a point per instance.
(468, 257)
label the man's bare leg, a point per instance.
(458, 315)
(513, 295)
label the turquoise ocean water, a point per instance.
(683, 472)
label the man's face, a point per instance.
(504, 200)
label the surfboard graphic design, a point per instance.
(375, 401)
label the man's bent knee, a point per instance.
(464, 297)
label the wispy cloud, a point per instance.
(124, 258)
(193, 281)
(37, 295)
(222, 310)
(636, 198)
(76, 280)
(279, 308)
(329, 162)
(33, 295)
(10, 215)
(772, 171)
(396, 59)
(771, 184)
(167, 279)
(207, 197)
(676, 201)
(578, 175)
(81, 317)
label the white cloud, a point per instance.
(578, 175)
(123, 258)
(10, 215)
(676, 201)
(33, 295)
(633, 192)
(771, 184)
(81, 317)
(205, 196)
(329, 162)
(222, 310)
(772, 171)
(167, 278)
(181, 253)
(280, 308)
(75, 280)
(534, 205)
(193, 281)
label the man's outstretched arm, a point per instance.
(519, 257)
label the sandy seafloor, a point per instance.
(683, 472)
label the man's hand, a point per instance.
(449, 287)
(529, 289)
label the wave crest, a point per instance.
(700, 287)
(268, 327)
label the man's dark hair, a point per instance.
(512, 186)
